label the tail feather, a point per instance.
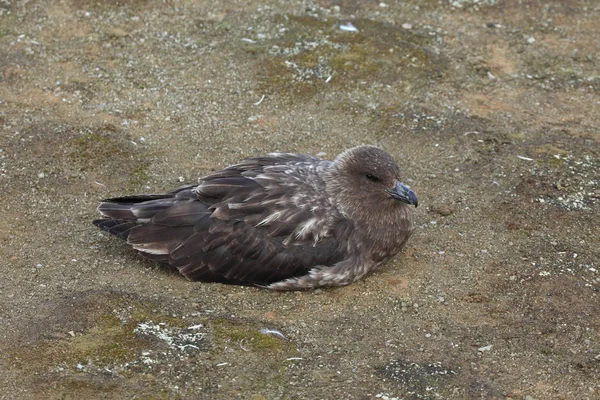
(117, 211)
(134, 207)
(135, 199)
(122, 214)
(118, 227)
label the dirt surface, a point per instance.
(491, 108)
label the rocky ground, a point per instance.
(491, 108)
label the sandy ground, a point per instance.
(491, 108)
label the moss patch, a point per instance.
(99, 337)
(105, 147)
(92, 343)
(314, 53)
(249, 337)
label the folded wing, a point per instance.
(257, 222)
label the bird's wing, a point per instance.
(260, 221)
(284, 194)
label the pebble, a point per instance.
(485, 348)
(348, 27)
(117, 32)
(444, 211)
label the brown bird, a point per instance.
(284, 221)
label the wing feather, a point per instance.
(188, 212)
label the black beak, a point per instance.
(403, 193)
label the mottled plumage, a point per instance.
(284, 221)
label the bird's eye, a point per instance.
(372, 178)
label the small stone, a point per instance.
(444, 211)
(485, 348)
(407, 26)
(348, 27)
(531, 40)
(117, 32)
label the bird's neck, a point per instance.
(386, 229)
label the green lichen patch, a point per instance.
(94, 149)
(138, 176)
(248, 337)
(66, 156)
(108, 340)
(314, 53)
(91, 146)
(103, 346)
(101, 336)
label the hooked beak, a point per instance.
(403, 193)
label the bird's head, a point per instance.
(368, 177)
